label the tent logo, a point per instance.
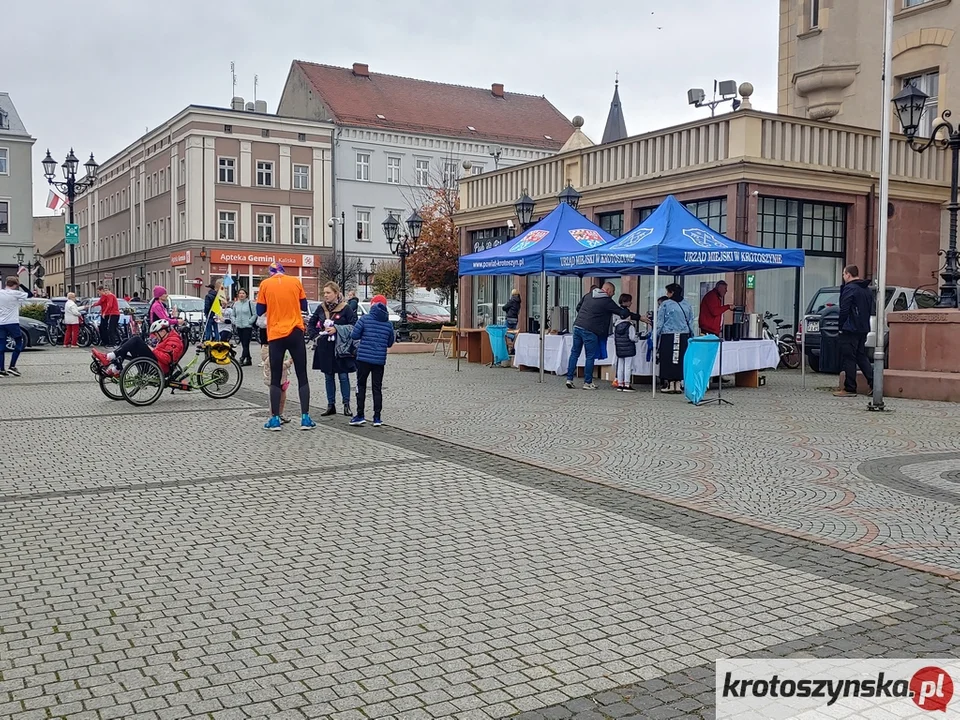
(634, 237)
(703, 238)
(529, 240)
(588, 238)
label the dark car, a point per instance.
(35, 334)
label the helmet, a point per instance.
(159, 325)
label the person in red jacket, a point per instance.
(167, 351)
(712, 309)
(109, 316)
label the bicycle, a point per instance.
(787, 346)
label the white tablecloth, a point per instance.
(738, 356)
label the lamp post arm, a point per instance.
(952, 138)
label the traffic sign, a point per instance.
(71, 234)
(108, 276)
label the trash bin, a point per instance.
(829, 351)
(498, 343)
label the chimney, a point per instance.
(261, 106)
(361, 70)
(237, 103)
(497, 89)
(251, 107)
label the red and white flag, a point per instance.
(54, 201)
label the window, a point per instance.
(363, 224)
(302, 137)
(301, 231)
(611, 222)
(183, 170)
(228, 128)
(162, 233)
(264, 133)
(163, 184)
(712, 213)
(301, 177)
(228, 225)
(450, 176)
(476, 169)
(228, 170)
(265, 175)
(423, 173)
(930, 84)
(4, 218)
(4, 161)
(814, 13)
(148, 195)
(393, 170)
(183, 225)
(363, 166)
(913, 3)
(264, 228)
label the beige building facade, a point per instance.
(831, 58)
(48, 231)
(210, 192)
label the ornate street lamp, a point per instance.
(71, 187)
(402, 246)
(570, 196)
(910, 104)
(524, 209)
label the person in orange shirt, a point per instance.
(282, 299)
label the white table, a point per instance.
(739, 356)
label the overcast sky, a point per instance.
(117, 67)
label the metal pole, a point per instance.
(71, 196)
(878, 351)
(653, 330)
(343, 250)
(543, 317)
(803, 327)
(404, 329)
(948, 292)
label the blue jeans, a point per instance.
(10, 331)
(211, 331)
(583, 340)
(332, 388)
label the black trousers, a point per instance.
(365, 370)
(245, 334)
(295, 345)
(108, 329)
(853, 354)
(133, 347)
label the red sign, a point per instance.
(242, 257)
(183, 257)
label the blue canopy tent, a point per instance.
(564, 231)
(674, 241)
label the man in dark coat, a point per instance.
(592, 327)
(856, 308)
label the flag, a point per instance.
(216, 308)
(21, 271)
(54, 201)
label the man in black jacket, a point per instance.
(592, 327)
(856, 307)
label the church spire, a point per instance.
(615, 129)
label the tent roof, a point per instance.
(674, 240)
(563, 231)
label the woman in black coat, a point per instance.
(325, 358)
(512, 309)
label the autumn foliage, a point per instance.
(434, 264)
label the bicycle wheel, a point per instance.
(789, 352)
(142, 382)
(84, 337)
(219, 381)
(110, 386)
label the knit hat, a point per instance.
(159, 291)
(378, 299)
(276, 268)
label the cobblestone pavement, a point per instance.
(795, 461)
(177, 562)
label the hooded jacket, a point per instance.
(375, 333)
(595, 311)
(856, 307)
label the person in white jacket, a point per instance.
(625, 343)
(71, 321)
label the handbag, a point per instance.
(345, 346)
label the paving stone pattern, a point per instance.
(363, 573)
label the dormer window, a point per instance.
(4, 120)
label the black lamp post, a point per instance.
(570, 196)
(31, 265)
(402, 246)
(524, 208)
(71, 187)
(910, 105)
(369, 275)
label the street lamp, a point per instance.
(402, 246)
(332, 222)
(910, 105)
(524, 208)
(570, 196)
(71, 187)
(31, 265)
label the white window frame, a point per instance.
(451, 174)
(814, 14)
(363, 166)
(301, 230)
(226, 220)
(422, 172)
(301, 180)
(6, 201)
(363, 224)
(183, 225)
(265, 227)
(477, 168)
(931, 111)
(4, 161)
(183, 171)
(227, 168)
(914, 3)
(394, 169)
(264, 172)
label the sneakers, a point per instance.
(273, 424)
(377, 422)
(570, 384)
(13, 371)
(590, 386)
(358, 420)
(100, 357)
(844, 394)
(284, 420)
(306, 423)
(3, 373)
(627, 388)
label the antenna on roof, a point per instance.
(256, 81)
(233, 74)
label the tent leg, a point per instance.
(543, 317)
(656, 281)
(803, 335)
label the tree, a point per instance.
(387, 280)
(330, 268)
(434, 265)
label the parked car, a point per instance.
(364, 308)
(35, 334)
(188, 306)
(423, 312)
(826, 304)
